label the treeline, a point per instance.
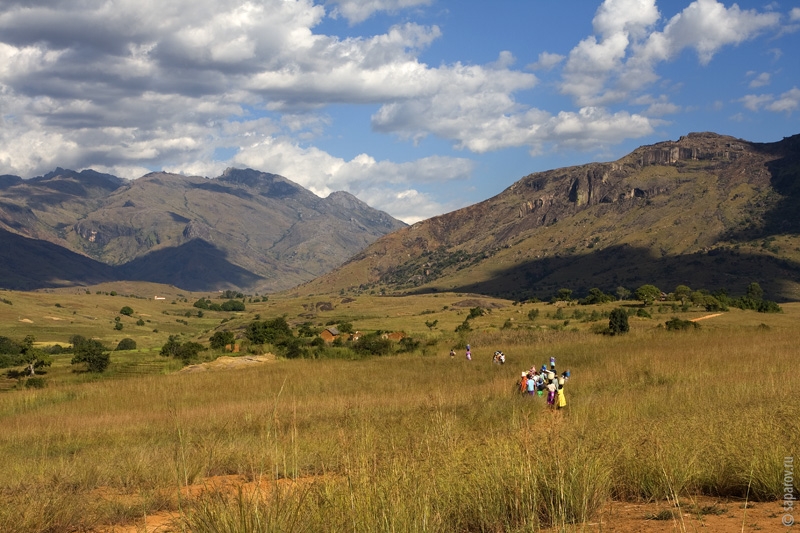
(90, 354)
(682, 297)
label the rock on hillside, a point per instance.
(708, 210)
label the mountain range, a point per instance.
(244, 230)
(707, 211)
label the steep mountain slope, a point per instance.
(245, 229)
(708, 211)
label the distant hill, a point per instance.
(246, 230)
(708, 211)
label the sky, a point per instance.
(417, 107)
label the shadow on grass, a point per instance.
(632, 267)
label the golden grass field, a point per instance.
(412, 442)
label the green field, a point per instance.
(410, 442)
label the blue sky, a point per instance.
(418, 107)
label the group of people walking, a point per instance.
(535, 382)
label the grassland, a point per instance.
(414, 442)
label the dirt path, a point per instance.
(704, 317)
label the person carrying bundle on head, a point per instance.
(561, 400)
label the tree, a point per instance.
(431, 324)
(648, 294)
(623, 293)
(233, 305)
(90, 352)
(596, 296)
(269, 331)
(126, 344)
(564, 295)
(186, 352)
(372, 344)
(220, 339)
(127, 311)
(33, 358)
(755, 292)
(618, 322)
(682, 292)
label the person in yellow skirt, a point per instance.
(561, 400)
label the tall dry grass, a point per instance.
(412, 443)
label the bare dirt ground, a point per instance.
(695, 514)
(705, 317)
(702, 513)
(230, 363)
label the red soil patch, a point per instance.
(700, 513)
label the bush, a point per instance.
(372, 344)
(90, 352)
(233, 305)
(275, 331)
(618, 322)
(596, 296)
(677, 324)
(475, 312)
(35, 383)
(220, 339)
(407, 344)
(127, 311)
(186, 352)
(126, 344)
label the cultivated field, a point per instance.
(410, 442)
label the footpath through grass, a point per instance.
(413, 442)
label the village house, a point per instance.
(329, 334)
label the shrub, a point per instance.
(372, 344)
(464, 327)
(127, 311)
(90, 352)
(618, 322)
(407, 344)
(186, 352)
(35, 383)
(275, 331)
(677, 324)
(596, 296)
(220, 339)
(126, 344)
(233, 305)
(476, 312)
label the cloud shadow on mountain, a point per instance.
(28, 264)
(631, 267)
(196, 265)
